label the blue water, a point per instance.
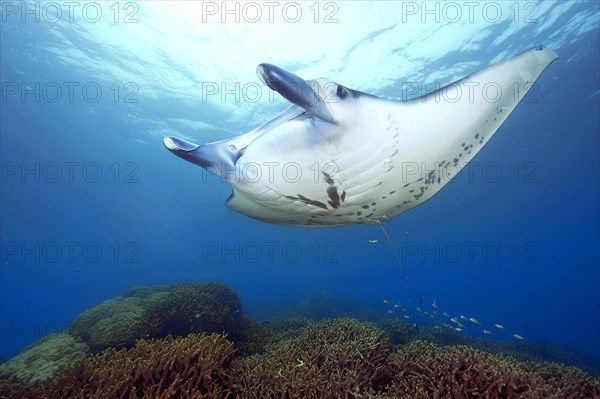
(92, 203)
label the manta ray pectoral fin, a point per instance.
(218, 157)
(294, 89)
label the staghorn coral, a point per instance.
(19, 390)
(197, 366)
(332, 359)
(539, 352)
(41, 360)
(260, 336)
(562, 381)
(401, 332)
(425, 370)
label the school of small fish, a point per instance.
(454, 322)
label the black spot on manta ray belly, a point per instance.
(306, 201)
(334, 197)
(328, 178)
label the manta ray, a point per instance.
(338, 156)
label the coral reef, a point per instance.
(196, 366)
(193, 341)
(41, 360)
(536, 352)
(332, 359)
(156, 312)
(194, 307)
(13, 389)
(425, 370)
(338, 358)
(325, 304)
(115, 323)
(402, 333)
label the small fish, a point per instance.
(390, 311)
(458, 329)
(406, 316)
(463, 317)
(446, 314)
(386, 301)
(487, 332)
(454, 320)
(435, 306)
(235, 312)
(419, 309)
(474, 320)
(500, 326)
(461, 325)
(426, 312)
(436, 327)
(397, 306)
(197, 315)
(517, 336)
(372, 241)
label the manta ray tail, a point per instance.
(404, 276)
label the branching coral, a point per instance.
(197, 366)
(333, 359)
(341, 358)
(18, 390)
(425, 370)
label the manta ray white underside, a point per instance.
(337, 156)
